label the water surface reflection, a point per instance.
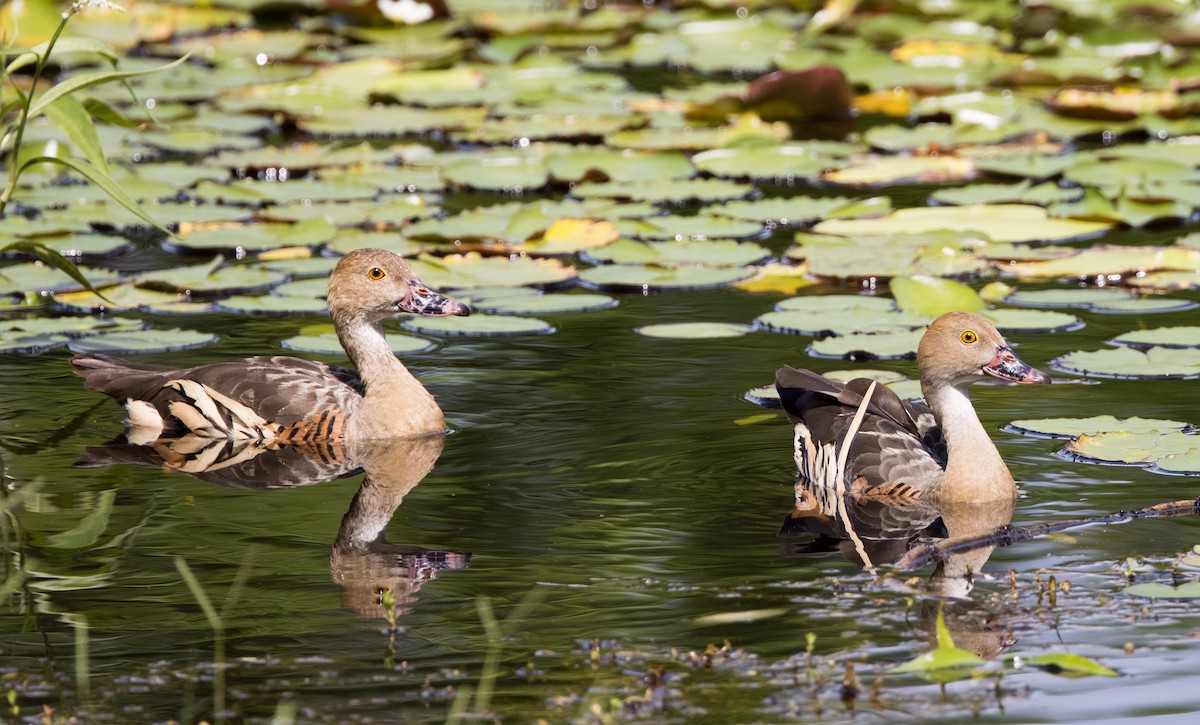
(362, 563)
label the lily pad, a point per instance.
(831, 303)
(1178, 337)
(1144, 305)
(1127, 362)
(1069, 664)
(1075, 427)
(1070, 297)
(694, 330)
(481, 325)
(1009, 321)
(883, 345)
(1128, 448)
(662, 192)
(326, 343)
(1154, 590)
(698, 227)
(539, 304)
(272, 305)
(783, 164)
(681, 253)
(850, 321)
(931, 296)
(143, 341)
(474, 270)
(785, 210)
(649, 277)
(627, 166)
(1000, 222)
(886, 170)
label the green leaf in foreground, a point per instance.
(1068, 664)
(943, 660)
(932, 296)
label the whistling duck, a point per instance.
(936, 451)
(286, 399)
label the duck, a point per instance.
(936, 451)
(287, 400)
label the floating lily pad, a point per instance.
(347, 240)
(1076, 297)
(1069, 664)
(1000, 222)
(272, 305)
(391, 210)
(698, 227)
(1182, 337)
(1075, 427)
(127, 297)
(884, 345)
(481, 325)
(694, 330)
(681, 253)
(1105, 260)
(884, 170)
(386, 121)
(327, 343)
(627, 166)
(831, 303)
(850, 321)
(1127, 448)
(515, 174)
(85, 245)
(143, 341)
(1128, 362)
(39, 278)
(652, 277)
(785, 210)
(1007, 320)
(213, 278)
(1154, 590)
(541, 304)
(1144, 305)
(782, 163)
(568, 236)
(661, 192)
(31, 344)
(474, 270)
(932, 296)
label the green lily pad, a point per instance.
(694, 330)
(1075, 427)
(931, 296)
(481, 325)
(785, 210)
(515, 174)
(937, 254)
(387, 121)
(326, 343)
(1071, 297)
(1187, 336)
(1000, 222)
(474, 270)
(1033, 166)
(883, 345)
(127, 297)
(681, 253)
(784, 164)
(1186, 463)
(627, 166)
(831, 303)
(1154, 590)
(1128, 362)
(857, 321)
(39, 278)
(874, 170)
(1105, 260)
(31, 344)
(212, 278)
(272, 305)
(1144, 305)
(125, 343)
(1007, 320)
(661, 192)
(392, 210)
(347, 240)
(539, 304)
(699, 227)
(1166, 280)
(653, 277)
(85, 245)
(1132, 449)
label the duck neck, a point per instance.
(394, 402)
(974, 469)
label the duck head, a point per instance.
(960, 348)
(378, 284)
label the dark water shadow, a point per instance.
(362, 562)
(875, 532)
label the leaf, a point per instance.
(89, 528)
(63, 46)
(87, 80)
(49, 256)
(933, 296)
(1069, 664)
(70, 115)
(944, 657)
(1154, 590)
(102, 180)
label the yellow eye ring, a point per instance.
(376, 273)
(969, 337)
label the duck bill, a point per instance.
(424, 301)
(1007, 366)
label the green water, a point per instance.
(623, 490)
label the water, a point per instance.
(615, 495)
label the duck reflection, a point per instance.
(363, 563)
(874, 531)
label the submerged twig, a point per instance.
(1006, 535)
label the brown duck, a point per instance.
(286, 399)
(935, 451)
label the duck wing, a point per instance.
(277, 390)
(897, 450)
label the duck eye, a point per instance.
(376, 273)
(969, 337)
